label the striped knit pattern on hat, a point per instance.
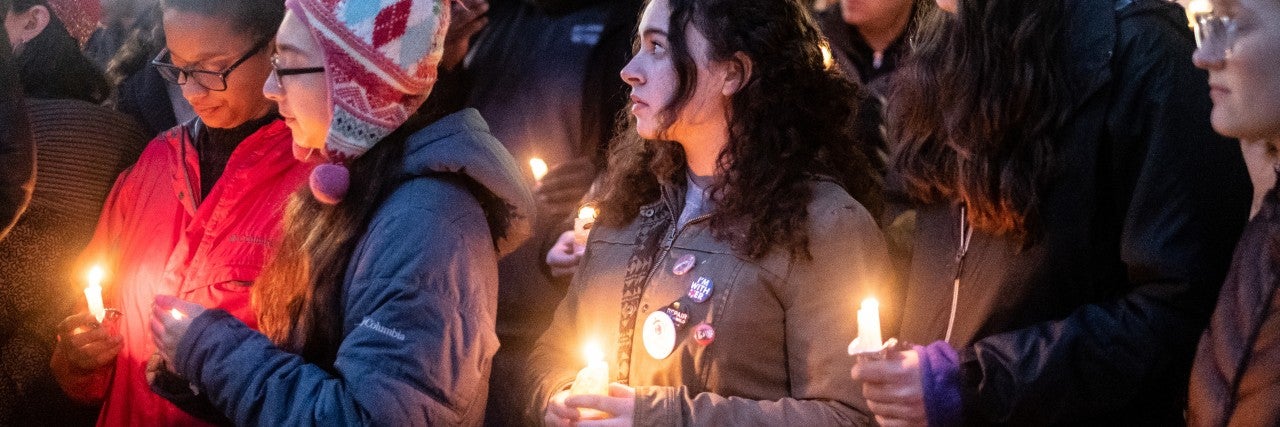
(380, 58)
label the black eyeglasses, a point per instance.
(212, 80)
(281, 72)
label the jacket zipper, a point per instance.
(195, 197)
(966, 236)
(668, 243)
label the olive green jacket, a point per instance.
(781, 323)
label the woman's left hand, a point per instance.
(620, 404)
(170, 318)
(893, 388)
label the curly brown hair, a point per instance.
(791, 122)
(975, 112)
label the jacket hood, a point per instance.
(460, 143)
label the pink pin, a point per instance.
(704, 334)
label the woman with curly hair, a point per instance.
(1075, 216)
(721, 275)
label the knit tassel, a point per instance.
(329, 183)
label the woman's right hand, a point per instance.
(85, 344)
(564, 256)
(558, 414)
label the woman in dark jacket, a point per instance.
(1236, 376)
(1075, 216)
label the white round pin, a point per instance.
(659, 335)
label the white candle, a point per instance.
(593, 379)
(582, 227)
(93, 293)
(539, 168)
(868, 327)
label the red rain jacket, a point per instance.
(156, 237)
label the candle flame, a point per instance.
(870, 304)
(587, 212)
(1199, 6)
(95, 275)
(827, 59)
(177, 315)
(539, 168)
(1196, 8)
(593, 352)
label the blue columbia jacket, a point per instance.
(420, 303)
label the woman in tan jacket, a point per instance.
(720, 278)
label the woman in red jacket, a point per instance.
(199, 212)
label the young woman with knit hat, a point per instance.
(379, 306)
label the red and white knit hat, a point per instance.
(380, 58)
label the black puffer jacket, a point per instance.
(1096, 321)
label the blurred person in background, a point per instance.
(1236, 376)
(544, 74)
(80, 147)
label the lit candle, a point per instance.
(868, 328)
(93, 293)
(593, 379)
(1197, 7)
(539, 168)
(582, 227)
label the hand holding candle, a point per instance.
(93, 293)
(170, 318)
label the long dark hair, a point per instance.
(975, 112)
(51, 65)
(791, 121)
(142, 42)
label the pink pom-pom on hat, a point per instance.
(380, 59)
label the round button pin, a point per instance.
(659, 335)
(704, 334)
(684, 264)
(701, 289)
